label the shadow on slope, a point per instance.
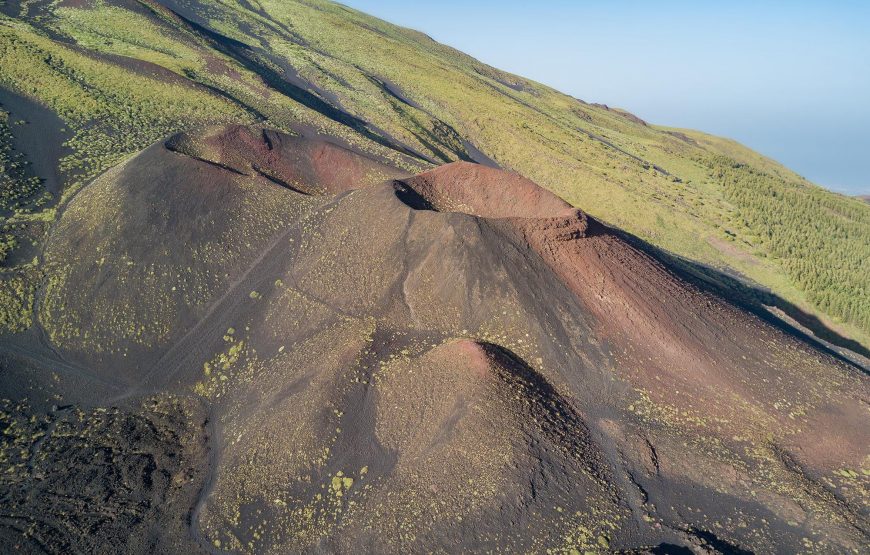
(757, 300)
(289, 83)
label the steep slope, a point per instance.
(419, 364)
(131, 269)
(121, 74)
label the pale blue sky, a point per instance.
(789, 79)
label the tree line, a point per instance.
(820, 238)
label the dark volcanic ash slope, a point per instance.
(457, 360)
(149, 248)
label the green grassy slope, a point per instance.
(123, 73)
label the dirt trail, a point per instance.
(218, 317)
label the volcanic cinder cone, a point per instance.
(453, 361)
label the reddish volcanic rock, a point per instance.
(487, 192)
(309, 166)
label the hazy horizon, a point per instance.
(788, 80)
